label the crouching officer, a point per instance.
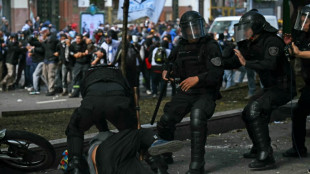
(263, 51)
(197, 63)
(106, 96)
(301, 49)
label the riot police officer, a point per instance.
(301, 50)
(263, 51)
(197, 64)
(105, 97)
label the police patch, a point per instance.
(216, 61)
(273, 51)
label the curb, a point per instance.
(220, 122)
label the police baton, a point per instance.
(162, 91)
(137, 106)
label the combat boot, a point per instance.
(251, 154)
(157, 164)
(198, 141)
(293, 152)
(77, 166)
(265, 160)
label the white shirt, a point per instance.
(111, 50)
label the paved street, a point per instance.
(224, 154)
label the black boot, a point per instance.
(157, 164)
(264, 159)
(77, 165)
(75, 149)
(198, 141)
(294, 152)
(253, 151)
(75, 93)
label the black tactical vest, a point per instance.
(191, 60)
(102, 73)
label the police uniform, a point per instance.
(265, 55)
(202, 59)
(106, 96)
(302, 109)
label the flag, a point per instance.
(142, 8)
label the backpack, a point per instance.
(160, 55)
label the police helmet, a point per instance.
(303, 19)
(192, 25)
(250, 24)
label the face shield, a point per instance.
(242, 32)
(302, 21)
(193, 29)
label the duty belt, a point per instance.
(107, 93)
(192, 91)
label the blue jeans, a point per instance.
(251, 81)
(229, 77)
(29, 70)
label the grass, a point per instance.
(53, 125)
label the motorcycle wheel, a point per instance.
(31, 152)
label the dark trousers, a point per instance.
(299, 119)
(256, 115)
(96, 110)
(180, 105)
(118, 154)
(78, 74)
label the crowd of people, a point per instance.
(59, 59)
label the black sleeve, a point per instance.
(273, 49)
(215, 72)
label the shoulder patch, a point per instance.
(216, 61)
(273, 51)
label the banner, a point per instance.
(142, 8)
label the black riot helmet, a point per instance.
(303, 19)
(250, 24)
(192, 25)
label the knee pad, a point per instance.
(198, 119)
(166, 127)
(252, 113)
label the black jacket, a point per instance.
(75, 48)
(13, 51)
(265, 55)
(50, 45)
(38, 51)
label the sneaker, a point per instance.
(148, 92)
(34, 93)
(248, 97)
(50, 93)
(162, 146)
(30, 89)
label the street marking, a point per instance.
(51, 101)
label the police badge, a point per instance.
(273, 51)
(216, 61)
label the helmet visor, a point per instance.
(242, 32)
(193, 29)
(302, 21)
